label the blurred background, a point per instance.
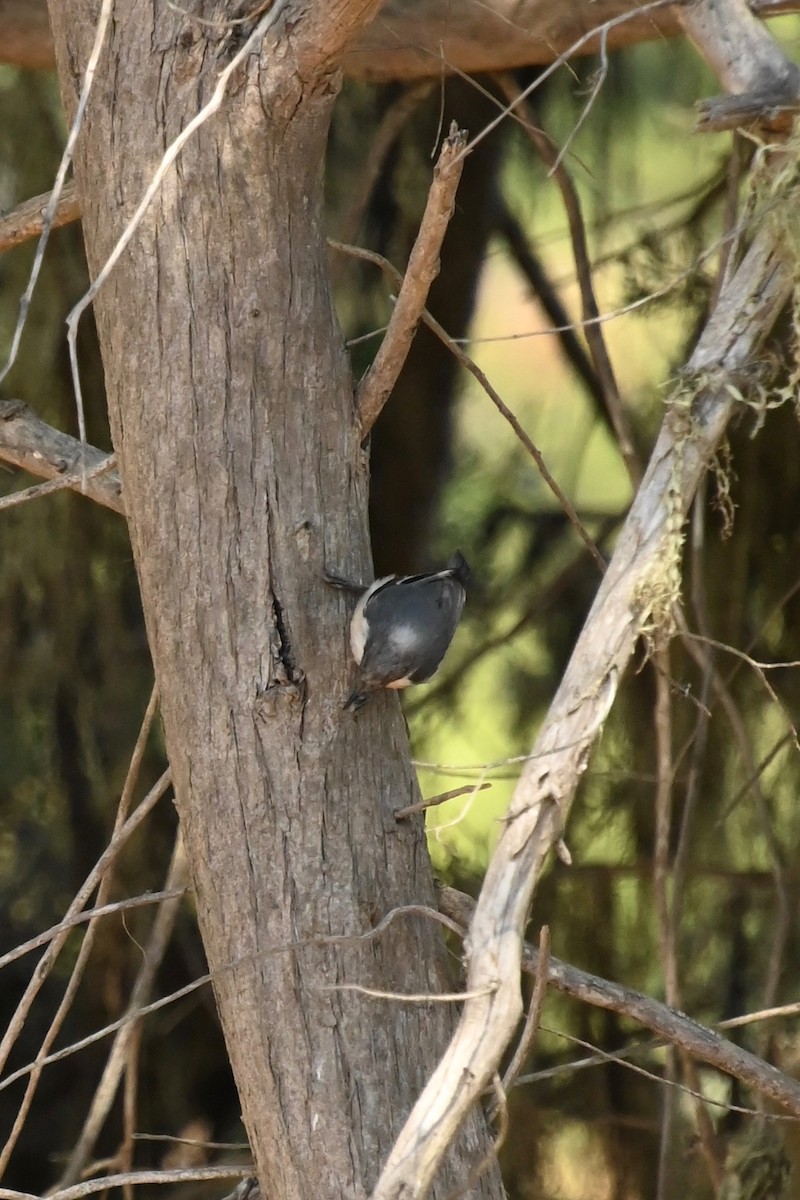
(449, 473)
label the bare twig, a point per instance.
(129, 1107)
(500, 1110)
(202, 1143)
(155, 949)
(499, 403)
(104, 1182)
(698, 649)
(709, 1144)
(84, 953)
(763, 1014)
(66, 158)
(665, 910)
(98, 1035)
(75, 482)
(38, 448)
(766, 761)
(593, 330)
(401, 997)
(600, 34)
(442, 798)
(45, 964)
(26, 221)
(423, 267)
(82, 918)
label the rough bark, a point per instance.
(419, 38)
(232, 415)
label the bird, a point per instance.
(402, 627)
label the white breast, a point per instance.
(359, 627)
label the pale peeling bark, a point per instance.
(233, 417)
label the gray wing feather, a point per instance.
(410, 627)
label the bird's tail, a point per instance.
(458, 567)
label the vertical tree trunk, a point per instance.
(232, 414)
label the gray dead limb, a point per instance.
(32, 444)
(745, 313)
(639, 581)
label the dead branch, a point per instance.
(26, 221)
(87, 944)
(672, 1026)
(413, 41)
(749, 304)
(529, 1031)
(36, 447)
(82, 918)
(474, 370)
(101, 27)
(106, 1030)
(739, 48)
(423, 267)
(768, 111)
(667, 940)
(37, 490)
(104, 1182)
(435, 801)
(284, 948)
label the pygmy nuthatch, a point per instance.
(402, 626)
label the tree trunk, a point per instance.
(232, 415)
